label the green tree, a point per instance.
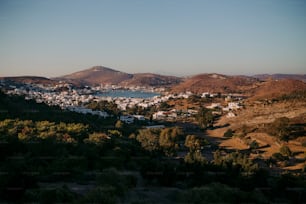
(96, 138)
(195, 157)
(168, 139)
(285, 151)
(205, 118)
(149, 139)
(194, 143)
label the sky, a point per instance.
(174, 37)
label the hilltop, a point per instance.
(104, 75)
(98, 75)
(216, 83)
(276, 88)
(257, 87)
(301, 77)
(149, 79)
(251, 87)
(29, 79)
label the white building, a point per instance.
(128, 119)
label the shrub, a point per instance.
(228, 133)
(254, 145)
(280, 128)
(285, 151)
(278, 157)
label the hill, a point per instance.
(97, 75)
(103, 75)
(149, 79)
(301, 77)
(276, 88)
(29, 80)
(216, 83)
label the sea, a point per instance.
(128, 94)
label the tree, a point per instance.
(168, 139)
(96, 138)
(195, 157)
(194, 143)
(191, 143)
(205, 118)
(280, 128)
(149, 139)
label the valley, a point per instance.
(211, 133)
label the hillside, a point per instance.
(216, 83)
(103, 75)
(275, 88)
(29, 79)
(301, 77)
(98, 75)
(148, 79)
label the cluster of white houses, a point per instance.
(74, 100)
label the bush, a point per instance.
(254, 145)
(112, 178)
(279, 157)
(220, 193)
(285, 151)
(101, 195)
(280, 128)
(195, 157)
(228, 133)
(56, 195)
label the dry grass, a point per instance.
(255, 116)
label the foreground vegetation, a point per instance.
(49, 155)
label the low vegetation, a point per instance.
(54, 156)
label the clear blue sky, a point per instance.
(178, 37)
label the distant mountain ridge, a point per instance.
(98, 75)
(29, 79)
(301, 77)
(258, 87)
(103, 75)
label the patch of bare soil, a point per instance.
(255, 116)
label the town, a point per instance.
(72, 98)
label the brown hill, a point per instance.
(301, 77)
(29, 80)
(148, 79)
(104, 75)
(98, 75)
(216, 83)
(275, 88)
